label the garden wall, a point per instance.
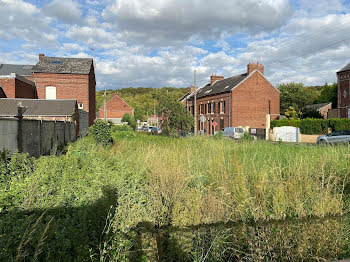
(35, 137)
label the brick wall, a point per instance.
(116, 108)
(15, 88)
(324, 110)
(250, 102)
(8, 86)
(70, 86)
(25, 90)
(221, 118)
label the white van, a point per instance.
(233, 132)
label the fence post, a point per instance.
(20, 110)
(268, 124)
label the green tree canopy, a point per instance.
(296, 95)
(129, 119)
(329, 93)
(175, 117)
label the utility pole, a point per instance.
(195, 103)
(105, 106)
(154, 106)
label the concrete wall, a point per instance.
(8, 134)
(38, 137)
(83, 122)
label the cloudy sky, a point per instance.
(155, 43)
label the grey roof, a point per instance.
(221, 86)
(345, 68)
(62, 65)
(315, 106)
(38, 107)
(23, 70)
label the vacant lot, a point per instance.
(150, 198)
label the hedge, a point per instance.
(313, 126)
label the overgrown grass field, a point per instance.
(152, 198)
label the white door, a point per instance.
(349, 113)
(287, 134)
(50, 92)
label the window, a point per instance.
(209, 108)
(222, 107)
(80, 106)
(50, 92)
(213, 107)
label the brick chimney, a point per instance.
(41, 56)
(192, 89)
(214, 78)
(252, 66)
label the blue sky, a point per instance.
(160, 42)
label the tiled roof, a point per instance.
(23, 70)
(315, 106)
(345, 68)
(61, 65)
(37, 107)
(221, 86)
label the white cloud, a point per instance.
(67, 11)
(165, 22)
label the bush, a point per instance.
(101, 132)
(122, 131)
(314, 126)
(339, 124)
(130, 120)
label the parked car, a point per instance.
(336, 137)
(144, 128)
(233, 132)
(154, 130)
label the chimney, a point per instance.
(214, 78)
(252, 66)
(41, 56)
(192, 89)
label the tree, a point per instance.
(130, 120)
(329, 93)
(175, 117)
(295, 95)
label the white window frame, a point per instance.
(49, 92)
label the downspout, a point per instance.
(229, 108)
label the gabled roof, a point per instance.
(345, 68)
(117, 96)
(62, 65)
(38, 107)
(23, 70)
(315, 107)
(221, 86)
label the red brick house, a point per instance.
(344, 92)
(13, 81)
(67, 78)
(115, 109)
(242, 100)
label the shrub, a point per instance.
(339, 124)
(285, 122)
(122, 131)
(314, 126)
(101, 132)
(130, 120)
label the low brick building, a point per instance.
(116, 108)
(322, 108)
(67, 78)
(344, 92)
(14, 82)
(242, 100)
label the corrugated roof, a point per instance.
(23, 70)
(37, 107)
(221, 86)
(62, 65)
(345, 68)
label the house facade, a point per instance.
(14, 82)
(242, 100)
(322, 108)
(116, 108)
(344, 92)
(67, 78)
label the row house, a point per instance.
(344, 92)
(241, 100)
